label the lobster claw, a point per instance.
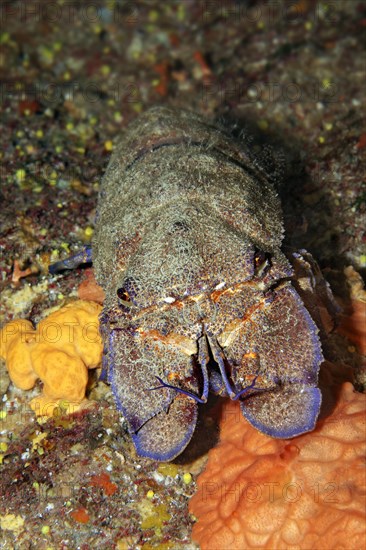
(284, 400)
(166, 435)
(161, 422)
(287, 412)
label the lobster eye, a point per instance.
(127, 293)
(124, 297)
(261, 262)
(259, 258)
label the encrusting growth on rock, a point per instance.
(260, 492)
(59, 352)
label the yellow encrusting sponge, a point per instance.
(59, 352)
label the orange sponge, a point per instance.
(309, 492)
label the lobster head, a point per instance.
(254, 342)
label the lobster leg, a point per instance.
(82, 257)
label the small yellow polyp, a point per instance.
(59, 352)
(187, 478)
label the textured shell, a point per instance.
(173, 174)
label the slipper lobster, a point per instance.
(199, 295)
